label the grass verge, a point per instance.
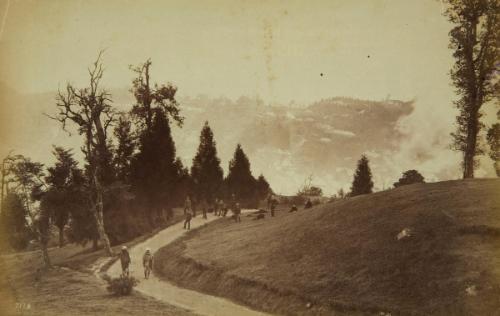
(345, 257)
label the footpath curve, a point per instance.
(199, 303)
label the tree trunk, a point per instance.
(45, 255)
(61, 237)
(470, 151)
(99, 217)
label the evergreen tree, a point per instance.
(154, 169)
(362, 182)
(240, 181)
(124, 150)
(206, 172)
(263, 187)
(13, 223)
(65, 181)
(183, 183)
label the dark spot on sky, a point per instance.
(321, 74)
(368, 56)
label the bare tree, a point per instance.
(474, 39)
(89, 108)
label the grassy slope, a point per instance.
(72, 290)
(345, 256)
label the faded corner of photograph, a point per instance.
(225, 158)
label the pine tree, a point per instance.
(183, 183)
(154, 173)
(362, 182)
(154, 170)
(240, 181)
(124, 150)
(263, 187)
(206, 172)
(65, 181)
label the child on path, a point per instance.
(237, 212)
(187, 221)
(147, 263)
(125, 260)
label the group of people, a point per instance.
(147, 262)
(219, 207)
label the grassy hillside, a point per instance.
(345, 256)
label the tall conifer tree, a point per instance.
(362, 182)
(206, 171)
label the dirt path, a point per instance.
(197, 302)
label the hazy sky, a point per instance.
(279, 50)
(276, 49)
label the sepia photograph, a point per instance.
(249, 157)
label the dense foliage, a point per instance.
(409, 177)
(362, 182)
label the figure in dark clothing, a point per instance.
(294, 208)
(187, 221)
(147, 263)
(216, 207)
(270, 199)
(204, 207)
(274, 202)
(308, 204)
(187, 205)
(223, 208)
(125, 260)
(237, 212)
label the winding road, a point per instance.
(196, 302)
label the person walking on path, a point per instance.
(204, 206)
(223, 208)
(147, 263)
(237, 212)
(125, 261)
(187, 221)
(270, 199)
(274, 202)
(187, 204)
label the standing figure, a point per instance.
(308, 204)
(187, 221)
(204, 207)
(125, 261)
(187, 204)
(147, 263)
(274, 202)
(237, 212)
(270, 199)
(223, 208)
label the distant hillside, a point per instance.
(287, 144)
(346, 256)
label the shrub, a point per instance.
(122, 285)
(409, 177)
